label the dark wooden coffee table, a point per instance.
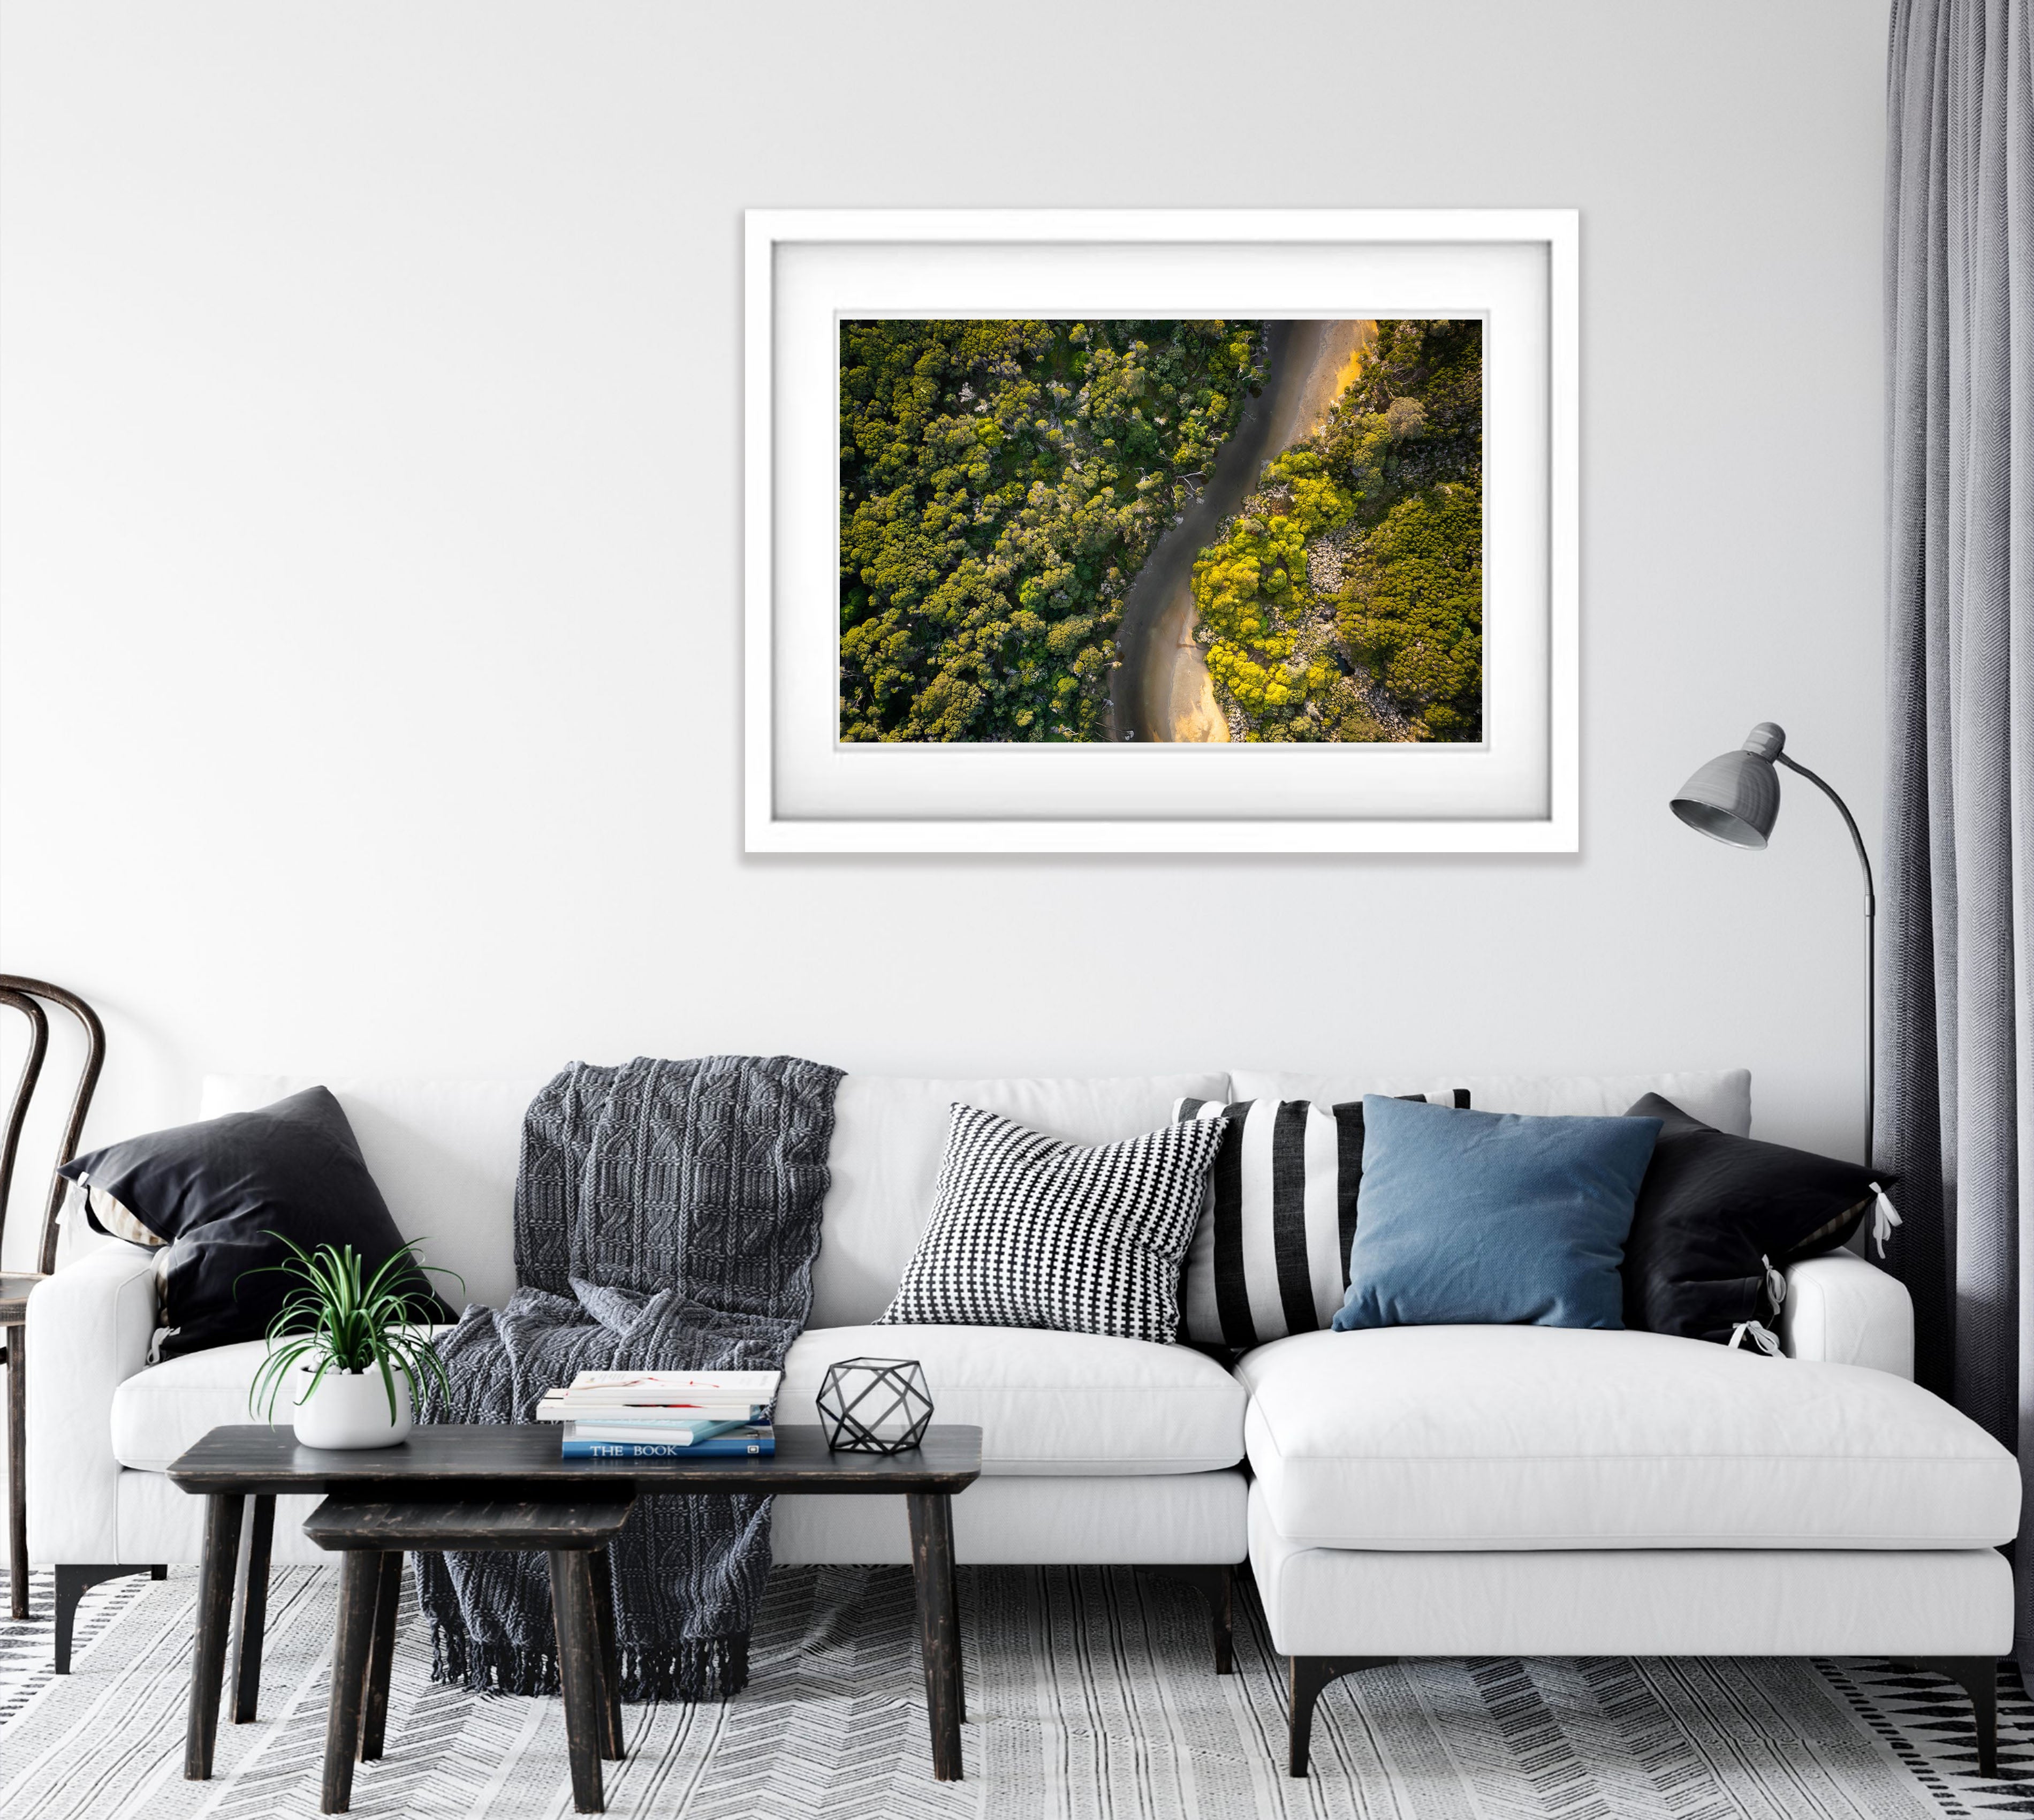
(454, 1463)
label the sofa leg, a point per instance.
(1978, 1676)
(72, 1582)
(1217, 1585)
(1308, 1676)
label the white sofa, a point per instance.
(1095, 1450)
(1439, 1491)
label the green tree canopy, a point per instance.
(1000, 484)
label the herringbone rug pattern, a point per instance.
(1089, 1695)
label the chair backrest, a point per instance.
(25, 996)
(24, 1090)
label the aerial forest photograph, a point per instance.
(1119, 531)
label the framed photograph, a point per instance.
(1160, 531)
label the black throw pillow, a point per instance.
(220, 1191)
(1715, 1212)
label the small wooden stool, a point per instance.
(374, 1536)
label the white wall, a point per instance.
(371, 559)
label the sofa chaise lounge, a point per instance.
(1408, 1491)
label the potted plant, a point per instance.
(351, 1351)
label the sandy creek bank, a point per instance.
(1161, 691)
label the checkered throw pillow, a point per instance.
(1029, 1231)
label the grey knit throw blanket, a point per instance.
(667, 1214)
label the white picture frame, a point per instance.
(805, 791)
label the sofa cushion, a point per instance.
(241, 1200)
(1719, 1217)
(1573, 1438)
(1719, 1097)
(889, 1132)
(1469, 1217)
(1029, 1231)
(442, 1152)
(1048, 1404)
(1270, 1255)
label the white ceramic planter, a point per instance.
(348, 1410)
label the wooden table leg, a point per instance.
(359, 1575)
(18, 1469)
(381, 1656)
(953, 1599)
(215, 1619)
(939, 1625)
(253, 1613)
(578, 1668)
(610, 1654)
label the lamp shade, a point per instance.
(1735, 798)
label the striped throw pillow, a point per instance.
(1270, 1255)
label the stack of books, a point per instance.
(665, 1415)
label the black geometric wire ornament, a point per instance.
(875, 1405)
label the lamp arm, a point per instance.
(1870, 948)
(1857, 839)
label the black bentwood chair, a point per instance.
(26, 995)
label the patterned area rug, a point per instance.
(1089, 1696)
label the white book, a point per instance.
(653, 1415)
(557, 1406)
(629, 1431)
(676, 1386)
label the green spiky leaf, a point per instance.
(336, 1318)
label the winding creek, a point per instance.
(1160, 691)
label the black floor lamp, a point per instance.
(1734, 799)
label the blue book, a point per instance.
(721, 1446)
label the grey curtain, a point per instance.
(1956, 1110)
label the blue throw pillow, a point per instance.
(1479, 1219)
